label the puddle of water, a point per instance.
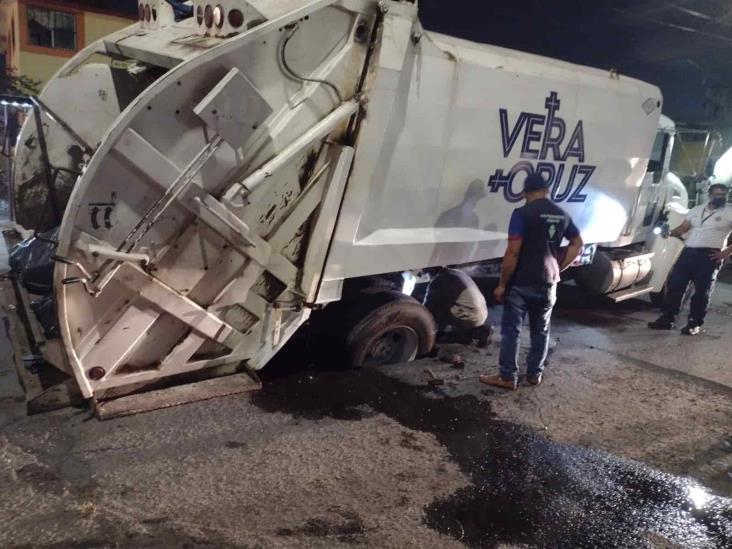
(526, 489)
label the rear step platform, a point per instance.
(178, 395)
(630, 293)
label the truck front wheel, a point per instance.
(395, 329)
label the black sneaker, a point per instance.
(691, 330)
(661, 323)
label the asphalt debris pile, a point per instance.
(526, 489)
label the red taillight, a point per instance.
(236, 18)
(96, 373)
(208, 16)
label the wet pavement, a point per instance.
(525, 489)
(620, 447)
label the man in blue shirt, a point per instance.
(529, 276)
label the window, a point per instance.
(658, 156)
(51, 29)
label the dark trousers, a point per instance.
(537, 302)
(694, 265)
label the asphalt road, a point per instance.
(626, 444)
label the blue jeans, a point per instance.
(694, 265)
(538, 302)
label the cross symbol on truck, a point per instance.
(552, 102)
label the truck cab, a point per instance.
(638, 262)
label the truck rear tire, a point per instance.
(392, 328)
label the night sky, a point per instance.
(683, 46)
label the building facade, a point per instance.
(38, 36)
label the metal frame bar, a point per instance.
(319, 249)
(317, 132)
(38, 104)
(163, 173)
(47, 172)
(169, 300)
(184, 179)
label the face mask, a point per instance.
(719, 201)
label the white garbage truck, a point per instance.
(218, 175)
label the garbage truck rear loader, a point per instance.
(219, 177)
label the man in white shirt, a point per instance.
(709, 227)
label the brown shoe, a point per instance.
(498, 381)
(533, 380)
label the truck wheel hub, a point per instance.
(395, 346)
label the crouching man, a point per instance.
(457, 304)
(529, 276)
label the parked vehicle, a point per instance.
(219, 177)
